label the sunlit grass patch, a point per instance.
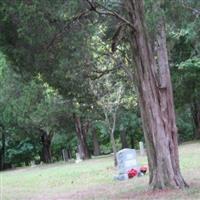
(93, 179)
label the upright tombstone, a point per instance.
(65, 155)
(142, 151)
(78, 158)
(33, 163)
(126, 160)
(80, 152)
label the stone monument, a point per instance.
(78, 158)
(142, 151)
(65, 155)
(126, 160)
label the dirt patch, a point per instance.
(120, 191)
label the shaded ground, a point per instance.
(93, 179)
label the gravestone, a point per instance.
(142, 151)
(78, 158)
(126, 160)
(33, 163)
(80, 151)
(65, 155)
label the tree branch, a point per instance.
(194, 10)
(106, 11)
(67, 26)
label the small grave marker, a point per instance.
(142, 151)
(78, 158)
(65, 155)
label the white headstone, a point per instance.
(78, 158)
(65, 155)
(142, 152)
(33, 163)
(126, 160)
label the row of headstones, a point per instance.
(66, 157)
(78, 157)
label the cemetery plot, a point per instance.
(127, 165)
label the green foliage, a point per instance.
(63, 141)
(24, 151)
(185, 125)
(31, 52)
(53, 65)
(191, 64)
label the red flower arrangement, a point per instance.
(132, 173)
(143, 169)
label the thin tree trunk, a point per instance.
(85, 129)
(81, 132)
(46, 147)
(2, 150)
(196, 118)
(111, 128)
(112, 138)
(123, 139)
(132, 141)
(1, 160)
(69, 153)
(156, 101)
(96, 146)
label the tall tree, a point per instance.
(109, 95)
(156, 100)
(154, 92)
(185, 53)
(57, 55)
(96, 146)
(81, 133)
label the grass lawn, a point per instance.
(93, 179)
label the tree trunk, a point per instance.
(112, 139)
(69, 153)
(95, 143)
(132, 140)
(46, 147)
(196, 118)
(2, 150)
(81, 132)
(156, 101)
(123, 139)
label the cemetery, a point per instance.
(99, 99)
(94, 179)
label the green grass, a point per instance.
(93, 179)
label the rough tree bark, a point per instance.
(81, 132)
(156, 101)
(196, 117)
(46, 146)
(96, 147)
